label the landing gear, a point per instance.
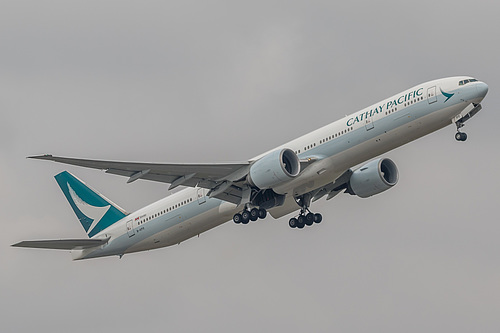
(460, 136)
(306, 217)
(305, 220)
(460, 121)
(249, 215)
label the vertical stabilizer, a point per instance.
(94, 211)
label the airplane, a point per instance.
(284, 180)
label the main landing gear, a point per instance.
(305, 219)
(249, 215)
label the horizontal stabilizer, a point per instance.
(63, 244)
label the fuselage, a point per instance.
(336, 147)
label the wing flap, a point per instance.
(62, 244)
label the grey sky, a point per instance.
(198, 81)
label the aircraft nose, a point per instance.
(482, 89)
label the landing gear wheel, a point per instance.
(459, 136)
(254, 214)
(301, 220)
(293, 222)
(318, 218)
(300, 225)
(237, 218)
(245, 217)
(262, 213)
(309, 219)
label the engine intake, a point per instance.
(373, 178)
(274, 168)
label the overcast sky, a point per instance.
(219, 81)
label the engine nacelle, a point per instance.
(373, 178)
(274, 168)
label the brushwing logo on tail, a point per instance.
(92, 212)
(447, 95)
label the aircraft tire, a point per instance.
(459, 136)
(254, 214)
(245, 217)
(262, 213)
(293, 222)
(309, 219)
(300, 225)
(318, 218)
(237, 218)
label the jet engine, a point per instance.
(274, 168)
(373, 178)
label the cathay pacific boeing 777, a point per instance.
(333, 159)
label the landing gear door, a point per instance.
(431, 95)
(201, 196)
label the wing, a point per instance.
(63, 244)
(224, 181)
(333, 188)
(330, 190)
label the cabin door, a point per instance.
(130, 228)
(201, 196)
(368, 123)
(431, 95)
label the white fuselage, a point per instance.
(336, 147)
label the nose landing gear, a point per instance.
(460, 121)
(460, 136)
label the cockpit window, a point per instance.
(461, 83)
